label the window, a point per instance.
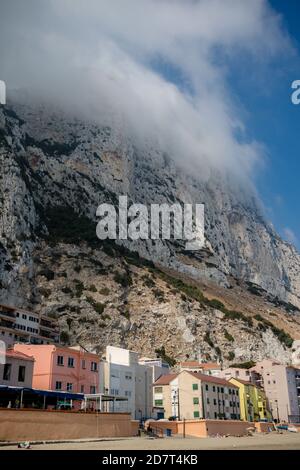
(215, 402)
(70, 362)
(128, 377)
(214, 388)
(21, 374)
(58, 385)
(60, 360)
(81, 388)
(94, 366)
(206, 387)
(83, 364)
(69, 387)
(127, 393)
(196, 414)
(24, 316)
(7, 372)
(158, 389)
(195, 386)
(230, 391)
(92, 389)
(196, 401)
(158, 402)
(207, 401)
(222, 390)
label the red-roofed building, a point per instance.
(194, 395)
(17, 371)
(209, 368)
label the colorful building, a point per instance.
(192, 395)
(63, 369)
(253, 401)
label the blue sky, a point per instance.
(272, 119)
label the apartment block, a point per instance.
(282, 386)
(63, 369)
(125, 375)
(18, 325)
(247, 375)
(193, 395)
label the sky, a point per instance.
(209, 80)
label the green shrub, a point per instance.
(124, 279)
(104, 291)
(79, 288)
(92, 288)
(228, 336)
(231, 356)
(208, 339)
(244, 365)
(125, 313)
(161, 352)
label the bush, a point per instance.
(228, 336)
(66, 290)
(104, 291)
(231, 356)
(124, 279)
(92, 288)
(159, 295)
(125, 313)
(161, 352)
(65, 337)
(79, 288)
(244, 365)
(208, 339)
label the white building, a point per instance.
(124, 375)
(282, 387)
(2, 92)
(22, 326)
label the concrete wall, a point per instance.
(202, 428)
(264, 427)
(16, 425)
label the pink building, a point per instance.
(62, 368)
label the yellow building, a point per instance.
(192, 395)
(253, 401)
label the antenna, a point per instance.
(2, 92)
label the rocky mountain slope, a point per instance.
(55, 170)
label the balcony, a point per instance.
(7, 314)
(7, 323)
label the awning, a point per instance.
(43, 393)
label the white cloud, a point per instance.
(100, 54)
(290, 236)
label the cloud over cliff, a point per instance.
(161, 68)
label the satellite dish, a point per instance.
(2, 92)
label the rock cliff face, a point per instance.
(54, 172)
